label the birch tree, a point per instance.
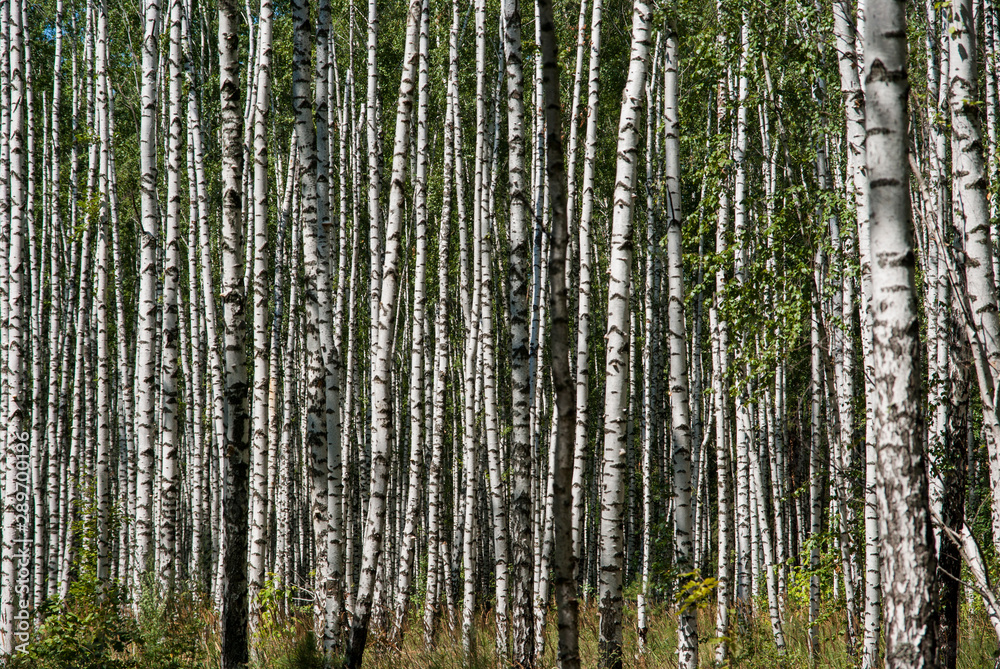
(450, 475)
(316, 428)
(416, 395)
(521, 507)
(908, 563)
(169, 424)
(562, 447)
(235, 613)
(11, 603)
(262, 370)
(384, 328)
(583, 299)
(103, 365)
(616, 372)
(687, 628)
(145, 368)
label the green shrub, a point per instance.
(98, 630)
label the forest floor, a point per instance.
(752, 648)
(185, 636)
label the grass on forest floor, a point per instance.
(752, 649)
(185, 636)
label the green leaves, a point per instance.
(696, 591)
(85, 636)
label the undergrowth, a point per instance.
(94, 630)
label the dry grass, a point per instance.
(185, 636)
(752, 648)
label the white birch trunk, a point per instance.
(55, 233)
(616, 392)
(744, 559)
(971, 209)
(437, 546)
(169, 427)
(908, 563)
(15, 556)
(521, 507)
(384, 328)
(687, 626)
(417, 343)
(145, 369)
(720, 370)
(261, 369)
(583, 298)
(563, 577)
(650, 332)
(103, 487)
(235, 511)
(374, 175)
(315, 399)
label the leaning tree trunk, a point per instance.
(384, 329)
(908, 562)
(970, 194)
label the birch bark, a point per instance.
(169, 427)
(103, 488)
(417, 342)
(720, 367)
(145, 369)
(583, 298)
(55, 237)
(436, 550)
(687, 626)
(235, 651)
(315, 399)
(385, 330)
(261, 368)
(908, 564)
(616, 392)
(972, 212)
(563, 577)
(16, 442)
(521, 507)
